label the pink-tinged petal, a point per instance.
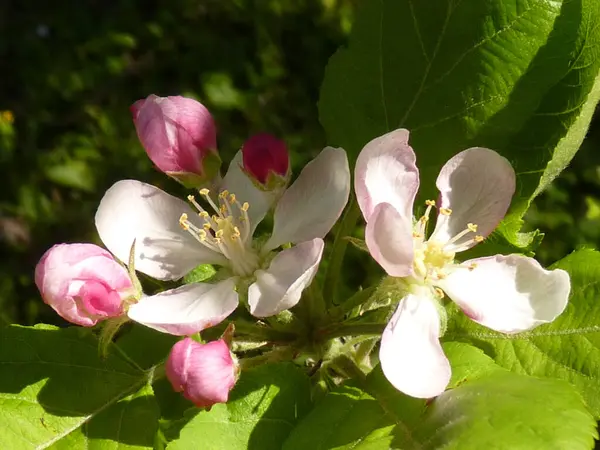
(82, 283)
(386, 172)
(131, 210)
(510, 293)
(188, 309)
(238, 183)
(313, 203)
(205, 373)
(178, 133)
(280, 286)
(411, 356)
(265, 157)
(477, 185)
(389, 239)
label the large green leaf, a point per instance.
(517, 76)
(568, 348)
(56, 392)
(501, 410)
(263, 408)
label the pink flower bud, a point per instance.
(266, 161)
(179, 136)
(205, 373)
(82, 283)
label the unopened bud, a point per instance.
(204, 373)
(266, 161)
(82, 283)
(179, 136)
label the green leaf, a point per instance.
(203, 272)
(263, 408)
(519, 76)
(73, 174)
(502, 410)
(468, 363)
(567, 349)
(55, 392)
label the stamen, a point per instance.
(245, 206)
(445, 211)
(204, 192)
(439, 292)
(472, 227)
(430, 202)
(183, 221)
(472, 266)
(478, 238)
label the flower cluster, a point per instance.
(149, 231)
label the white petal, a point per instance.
(280, 286)
(411, 356)
(312, 204)
(508, 293)
(238, 183)
(134, 210)
(390, 242)
(187, 309)
(386, 172)
(477, 185)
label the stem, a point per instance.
(347, 367)
(332, 278)
(364, 349)
(261, 332)
(357, 299)
(355, 329)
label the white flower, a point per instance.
(172, 239)
(509, 294)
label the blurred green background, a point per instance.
(70, 70)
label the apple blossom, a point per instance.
(266, 161)
(508, 294)
(172, 239)
(82, 283)
(204, 373)
(179, 136)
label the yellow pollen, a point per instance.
(183, 221)
(439, 292)
(478, 238)
(215, 217)
(232, 198)
(191, 198)
(245, 206)
(430, 202)
(472, 227)
(204, 192)
(424, 219)
(224, 193)
(223, 209)
(203, 214)
(206, 226)
(202, 235)
(445, 211)
(219, 234)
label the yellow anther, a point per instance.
(215, 217)
(219, 234)
(478, 238)
(222, 209)
(204, 192)
(191, 198)
(183, 221)
(206, 226)
(472, 227)
(472, 266)
(417, 235)
(236, 231)
(203, 214)
(430, 202)
(438, 292)
(202, 235)
(224, 193)
(245, 206)
(231, 198)
(445, 211)
(424, 219)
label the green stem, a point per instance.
(249, 329)
(355, 329)
(332, 278)
(347, 367)
(357, 299)
(364, 349)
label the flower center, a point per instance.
(227, 231)
(433, 258)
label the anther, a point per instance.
(472, 266)
(478, 238)
(472, 227)
(245, 206)
(203, 214)
(430, 202)
(445, 211)
(439, 292)
(204, 192)
(232, 198)
(224, 193)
